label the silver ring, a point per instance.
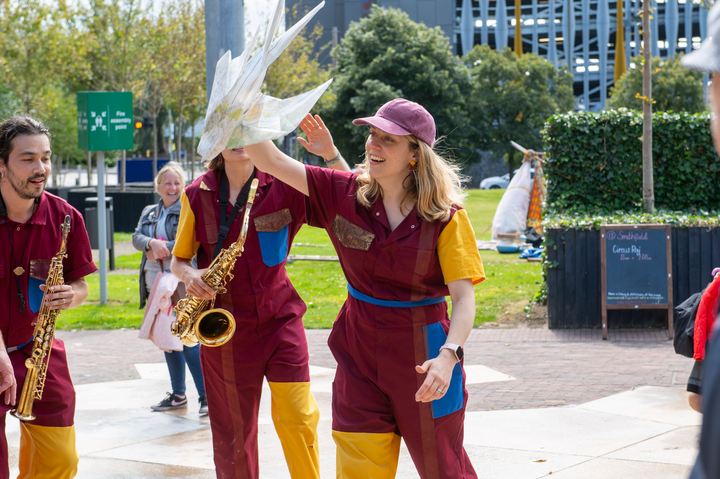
(63, 301)
(440, 391)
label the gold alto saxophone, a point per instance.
(43, 336)
(215, 326)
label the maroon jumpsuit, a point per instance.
(377, 347)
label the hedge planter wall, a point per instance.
(573, 276)
(595, 162)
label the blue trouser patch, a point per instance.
(274, 246)
(35, 294)
(453, 399)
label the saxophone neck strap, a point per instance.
(227, 221)
(15, 348)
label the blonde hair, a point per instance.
(436, 184)
(175, 168)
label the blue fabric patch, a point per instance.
(274, 246)
(453, 399)
(35, 294)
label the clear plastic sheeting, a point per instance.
(510, 219)
(238, 113)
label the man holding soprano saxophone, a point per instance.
(269, 340)
(31, 220)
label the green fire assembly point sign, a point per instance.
(105, 120)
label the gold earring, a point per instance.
(413, 163)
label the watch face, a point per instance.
(459, 353)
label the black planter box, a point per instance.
(573, 277)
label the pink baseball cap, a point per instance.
(403, 117)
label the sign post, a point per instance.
(636, 270)
(105, 122)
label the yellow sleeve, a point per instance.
(185, 243)
(458, 252)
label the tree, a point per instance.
(32, 40)
(674, 87)
(385, 56)
(115, 35)
(186, 47)
(155, 72)
(512, 97)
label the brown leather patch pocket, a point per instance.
(39, 268)
(351, 235)
(273, 222)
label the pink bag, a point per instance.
(158, 314)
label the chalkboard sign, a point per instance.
(636, 269)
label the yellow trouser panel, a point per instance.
(361, 455)
(296, 415)
(47, 452)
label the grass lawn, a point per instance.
(321, 284)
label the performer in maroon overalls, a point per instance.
(30, 236)
(269, 339)
(404, 244)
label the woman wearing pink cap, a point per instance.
(404, 244)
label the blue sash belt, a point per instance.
(392, 304)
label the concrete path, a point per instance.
(542, 404)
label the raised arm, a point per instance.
(320, 142)
(269, 159)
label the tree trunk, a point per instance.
(56, 161)
(648, 190)
(181, 107)
(155, 147)
(511, 161)
(191, 153)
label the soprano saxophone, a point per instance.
(43, 336)
(215, 326)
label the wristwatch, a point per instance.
(455, 348)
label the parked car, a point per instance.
(500, 182)
(495, 182)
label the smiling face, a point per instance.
(389, 156)
(170, 188)
(28, 166)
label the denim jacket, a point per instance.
(144, 233)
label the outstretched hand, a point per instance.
(319, 140)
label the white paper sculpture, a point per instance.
(238, 114)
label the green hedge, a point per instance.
(594, 163)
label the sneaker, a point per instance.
(203, 406)
(170, 403)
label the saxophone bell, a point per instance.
(215, 327)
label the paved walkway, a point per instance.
(551, 367)
(624, 413)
